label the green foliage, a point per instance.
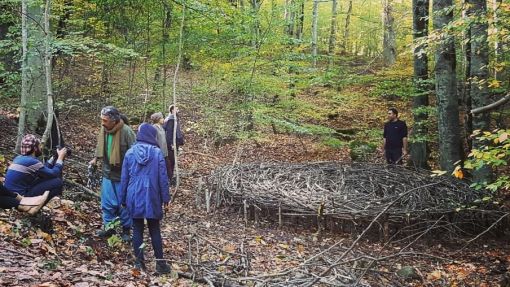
(51, 264)
(398, 87)
(114, 241)
(494, 153)
(360, 150)
(333, 142)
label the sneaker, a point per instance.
(162, 267)
(105, 233)
(140, 265)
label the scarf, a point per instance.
(101, 141)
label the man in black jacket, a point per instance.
(395, 138)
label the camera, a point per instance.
(58, 147)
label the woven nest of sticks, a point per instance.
(341, 191)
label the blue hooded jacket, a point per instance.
(144, 180)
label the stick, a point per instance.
(492, 106)
(83, 188)
(177, 184)
(325, 272)
(18, 252)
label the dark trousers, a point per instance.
(394, 156)
(155, 233)
(54, 185)
(7, 198)
(170, 163)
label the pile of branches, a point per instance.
(358, 191)
(334, 266)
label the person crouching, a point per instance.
(144, 192)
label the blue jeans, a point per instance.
(110, 204)
(154, 231)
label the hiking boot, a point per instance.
(32, 205)
(140, 265)
(105, 233)
(162, 267)
(126, 234)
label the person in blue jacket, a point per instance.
(29, 177)
(144, 192)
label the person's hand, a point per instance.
(62, 153)
(93, 161)
(404, 153)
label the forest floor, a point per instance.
(58, 247)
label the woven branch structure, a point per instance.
(342, 191)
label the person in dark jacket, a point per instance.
(395, 138)
(29, 177)
(30, 205)
(169, 125)
(113, 141)
(144, 192)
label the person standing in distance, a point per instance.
(395, 138)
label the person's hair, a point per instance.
(111, 112)
(171, 108)
(393, 110)
(156, 117)
(125, 119)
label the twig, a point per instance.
(81, 187)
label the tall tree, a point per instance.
(446, 87)
(419, 151)
(300, 19)
(333, 28)
(47, 71)
(315, 19)
(33, 84)
(347, 27)
(478, 71)
(290, 16)
(389, 37)
(255, 7)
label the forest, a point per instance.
(278, 119)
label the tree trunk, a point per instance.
(389, 38)
(301, 20)
(419, 150)
(290, 15)
(255, 5)
(315, 18)
(24, 78)
(478, 72)
(47, 69)
(446, 91)
(495, 23)
(345, 42)
(167, 22)
(32, 73)
(333, 28)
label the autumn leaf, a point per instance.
(458, 172)
(435, 275)
(494, 84)
(229, 248)
(503, 137)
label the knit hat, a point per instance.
(156, 117)
(28, 144)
